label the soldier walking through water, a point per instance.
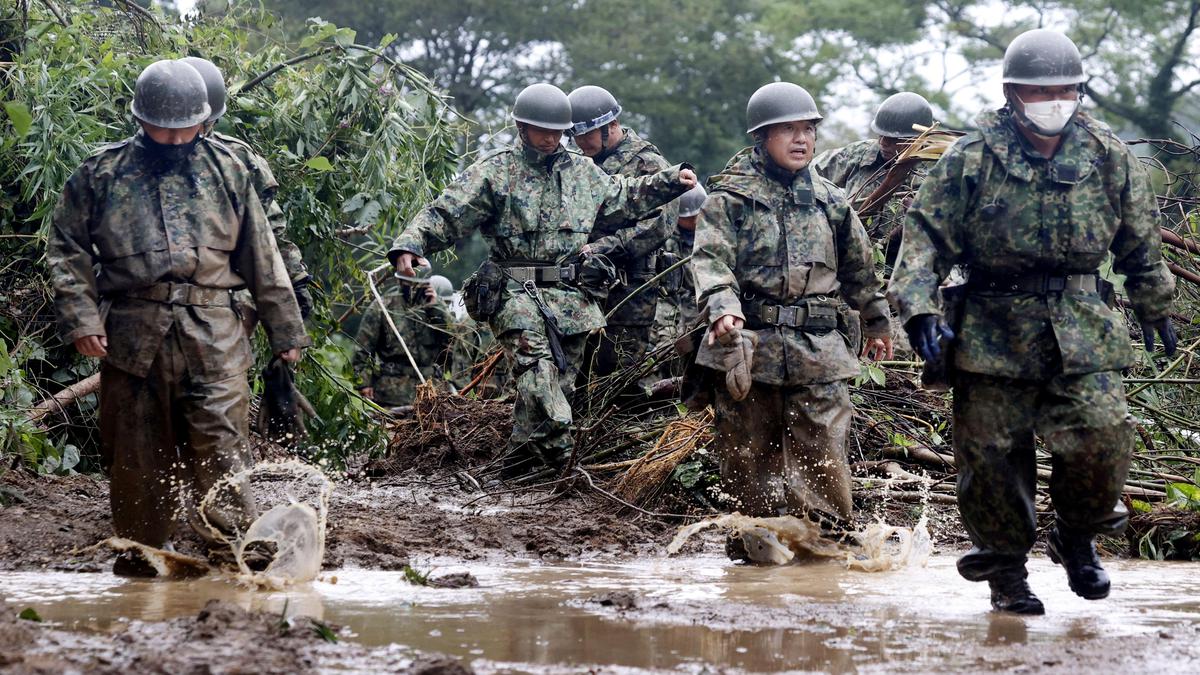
(537, 205)
(780, 259)
(1032, 204)
(150, 237)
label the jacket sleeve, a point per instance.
(861, 285)
(70, 258)
(1137, 247)
(258, 262)
(462, 208)
(714, 258)
(634, 199)
(648, 235)
(931, 244)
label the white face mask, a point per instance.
(1049, 118)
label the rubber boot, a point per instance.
(1011, 593)
(1076, 552)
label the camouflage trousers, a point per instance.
(623, 343)
(166, 439)
(542, 412)
(395, 390)
(1082, 420)
(783, 450)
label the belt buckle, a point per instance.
(789, 316)
(566, 273)
(177, 294)
(1056, 284)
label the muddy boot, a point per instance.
(756, 546)
(1077, 554)
(132, 564)
(1011, 593)
(515, 464)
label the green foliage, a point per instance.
(415, 577)
(30, 614)
(357, 140)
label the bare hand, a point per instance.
(290, 356)
(688, 178)
(367, 393)
(406, 261)
(586, 250)
(722, 326)
(430, 295)
(95, 346)
(878, 349)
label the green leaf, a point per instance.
(414, 577)
(324, 632)
(1140, 506)
(386, 40)
(319, 163)
(344, 37)
(18, 114)
(30, 614)
(877, 375)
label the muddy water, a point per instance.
(688, 612)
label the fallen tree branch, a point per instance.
(67, 397)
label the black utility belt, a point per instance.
(541, 274)
(811, 315)
(179, 293)
(1037, 283)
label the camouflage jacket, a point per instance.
(631, 245)
(683, 294)
(995, 206)
(426, 328)
(539, 211)
(765, 242)
(859, 168)
(200, 223)
(266, 186)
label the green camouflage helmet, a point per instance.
(1043, 57)
(543, 105)
(214, 82)
(779, 102)
(170, 94)
(591, 108)
(442, 285)
(899, 112)
(692, 201)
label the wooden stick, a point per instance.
(64, 398)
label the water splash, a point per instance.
(293, 499)
(785, 539)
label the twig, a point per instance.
(56, 12)
(653, 280)
(387, 315)
(64, 398)
(280, 66)
(606, 493)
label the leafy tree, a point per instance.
(354, 137)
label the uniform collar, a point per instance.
(1075, 159)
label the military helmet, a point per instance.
(442, 285)
(591, 108)
(1043, 56)
(543, 105)
(899, 112)
(692, 201)
(214, 82)
(779, 102)
(170, 94)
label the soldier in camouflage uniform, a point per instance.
(860, 168)
(632, 246)
(382, 368)
(149, 239)
(778, 255)
(676, 312)
(1032, 204)
(537, 205)
(266, 186)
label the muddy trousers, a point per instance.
(1083, 421)
(542, 412)
(783, 450)
(164, 434)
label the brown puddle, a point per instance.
(686, 612)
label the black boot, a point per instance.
(1077, 554)
(1011, 593)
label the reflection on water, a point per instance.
(689, 610)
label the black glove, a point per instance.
(925, 333)
(1165, 330)
(303, 298)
